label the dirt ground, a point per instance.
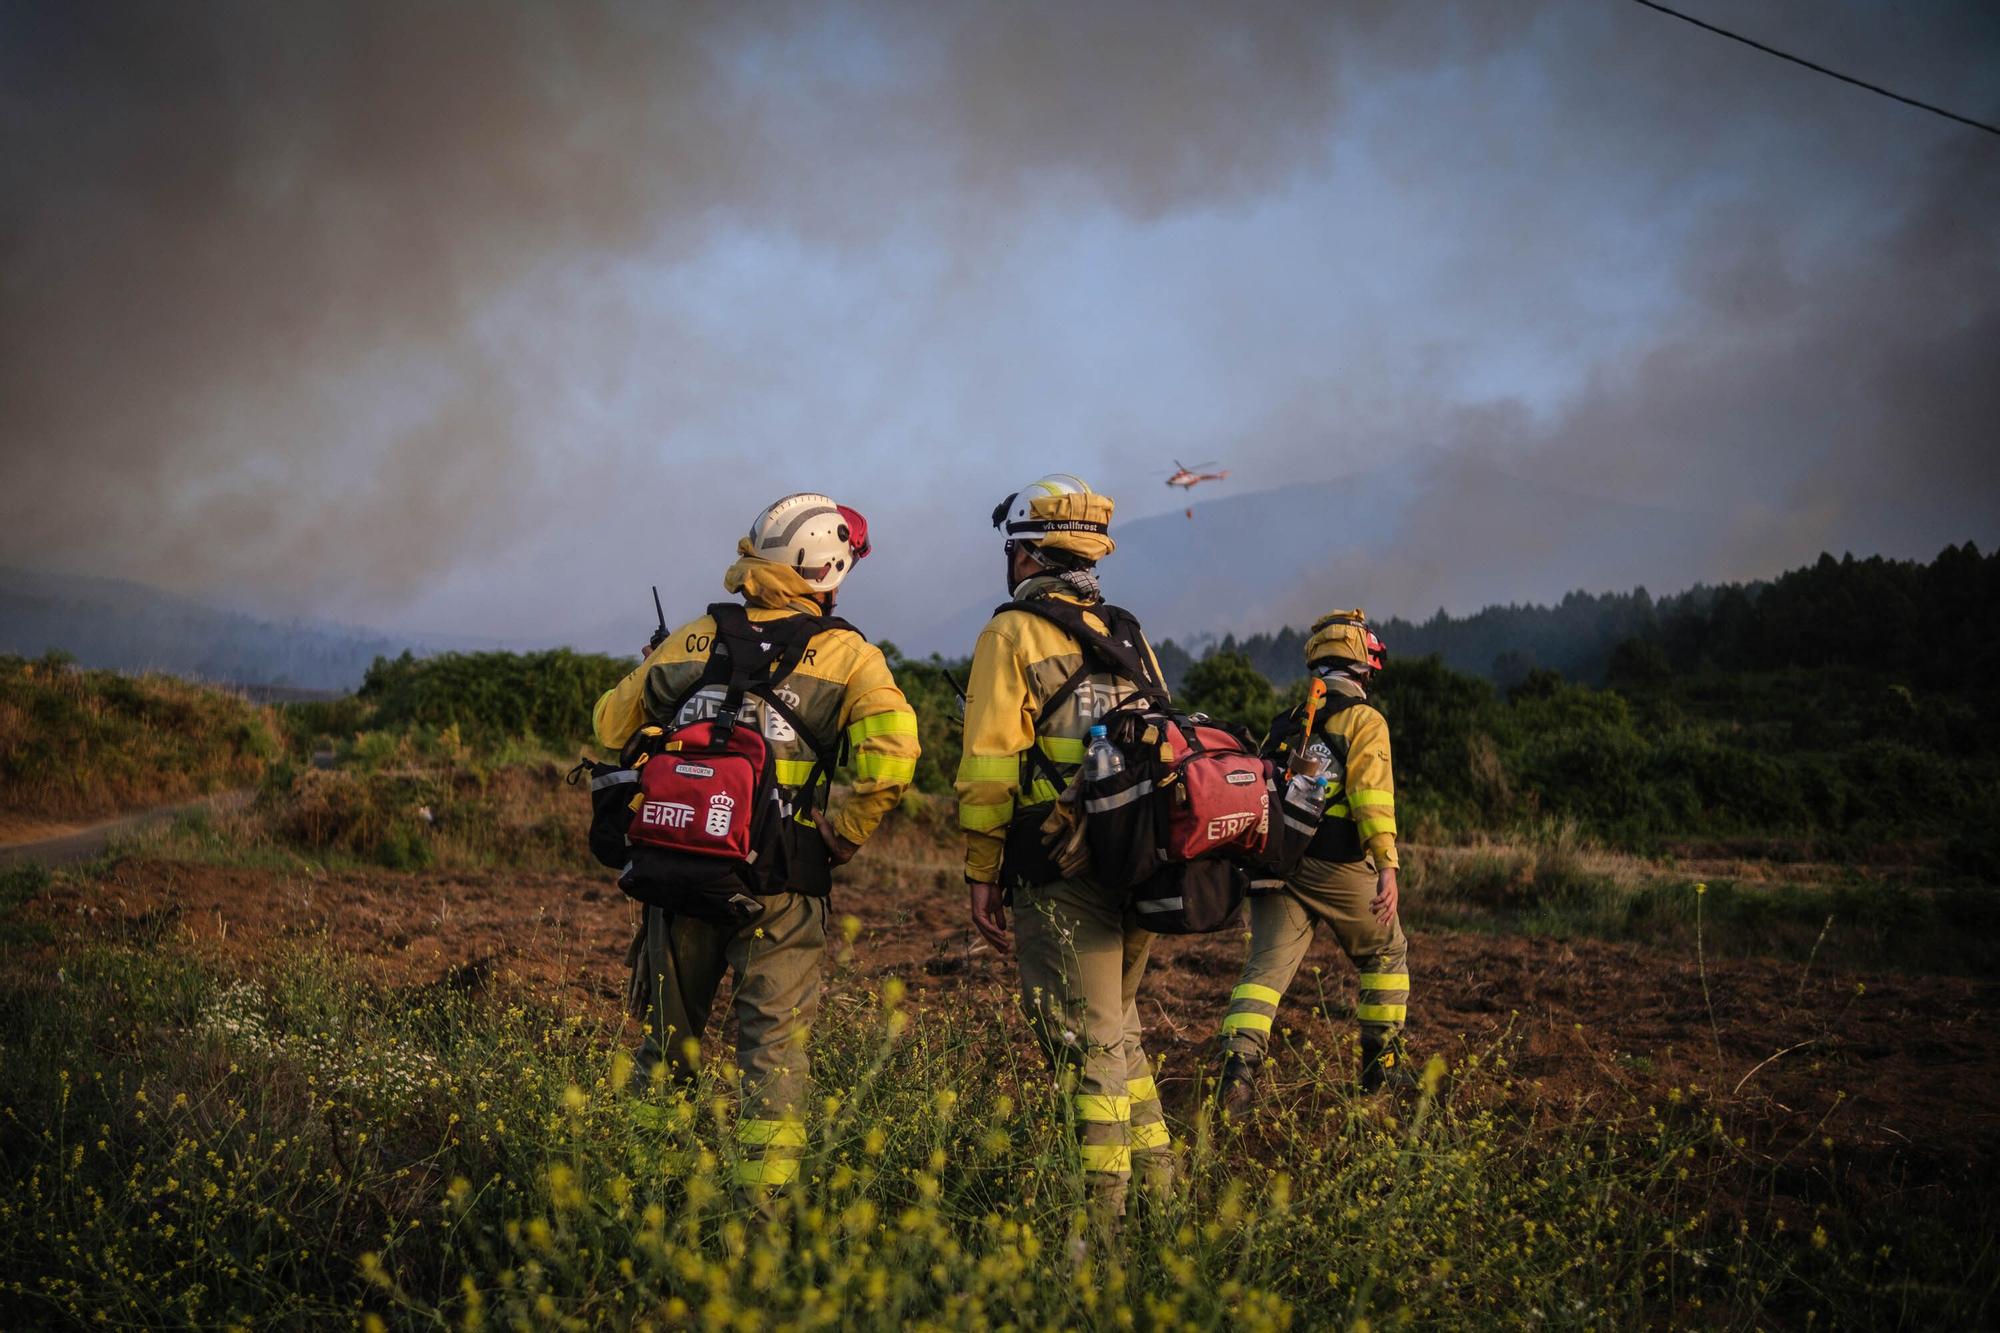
(16, 827)
(1901, 1072)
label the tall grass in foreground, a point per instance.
(180, 1146)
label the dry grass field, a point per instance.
(350, 1048)
(252, 1078)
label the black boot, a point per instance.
(1384, 1065)
(1236, 1089)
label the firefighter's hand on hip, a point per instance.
(989, 917)
(839, 851)
(1383, 905)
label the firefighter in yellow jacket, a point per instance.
(797, 554)
(1347, 879)
(1081, 950)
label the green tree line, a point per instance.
(1931, 622)
(1851, 703)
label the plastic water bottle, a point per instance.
(1101, 760)
(1306, 791)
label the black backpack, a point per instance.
(1128, 820)
(1303, 829)
(667, 867)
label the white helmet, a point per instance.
(1058, 512)
(1014, 515)
(816, 537)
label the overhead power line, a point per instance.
(1821, 69)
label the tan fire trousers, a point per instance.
(1082, 955)
(677, 969)
(1281, 930)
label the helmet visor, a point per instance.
(857, 532)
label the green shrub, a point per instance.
(1224, 685)
(84, 743)
(494, 695)
(314, 724)
(522, 816)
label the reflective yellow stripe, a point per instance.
(990, 768)
(1062, 749)
(769, 1172)
(883, 767)
(1255, 1022)
(1250, 990)
(1370, 827)
(882, 724)
(775, 1133)
(1153, 1135)
(1336, 808)
(1385, 981)
(1101, 1109)
(1106, 1157)
(1042, 790)
(791, 772)
(1366, 797)
(979, 817)
(1380, 1013)
(1142, 1089)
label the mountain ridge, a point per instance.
(1380, 540)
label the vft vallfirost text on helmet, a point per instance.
(1057, 513)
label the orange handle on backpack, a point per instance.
(1315, 696)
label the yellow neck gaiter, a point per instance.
(763, 583)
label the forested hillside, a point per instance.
(1933, 622)
(1851, 704)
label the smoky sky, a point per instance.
(479, 318)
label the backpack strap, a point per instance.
(751, 657)
(762, 653)
(1285, 733)
(1117, 651)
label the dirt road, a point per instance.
(80, 844)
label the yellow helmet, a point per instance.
(1344, 637)
(1060, 512)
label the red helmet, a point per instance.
(856, 532)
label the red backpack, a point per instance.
(1193, 796)
(692, 815)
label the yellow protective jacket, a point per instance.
(1366, 792)
(841, 685)
(1020, 661)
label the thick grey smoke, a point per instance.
(248, 247)
(316, 304)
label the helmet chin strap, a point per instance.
(1007, 554)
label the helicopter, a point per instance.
(1187, 478)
